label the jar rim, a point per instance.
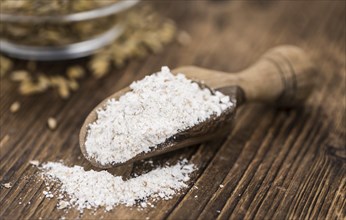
(74, 17)
(70, 51)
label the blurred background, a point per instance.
(59, 59)
(63, 44)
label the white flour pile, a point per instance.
(92, 189)
(156, 108)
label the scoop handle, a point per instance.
(283, 76)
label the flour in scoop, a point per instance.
(91, 189)
(157, 107)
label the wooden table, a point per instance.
(275, 164)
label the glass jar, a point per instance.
(57, 32)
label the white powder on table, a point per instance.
(157, 107)
(92, 189)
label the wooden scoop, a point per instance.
(283, 76)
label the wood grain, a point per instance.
(275, 164)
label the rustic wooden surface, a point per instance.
(275, 164)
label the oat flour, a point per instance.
(91, 189)
(156, 108)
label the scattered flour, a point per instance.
(156, 108)
(7, 185)
(34, 162)
(91, 189)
